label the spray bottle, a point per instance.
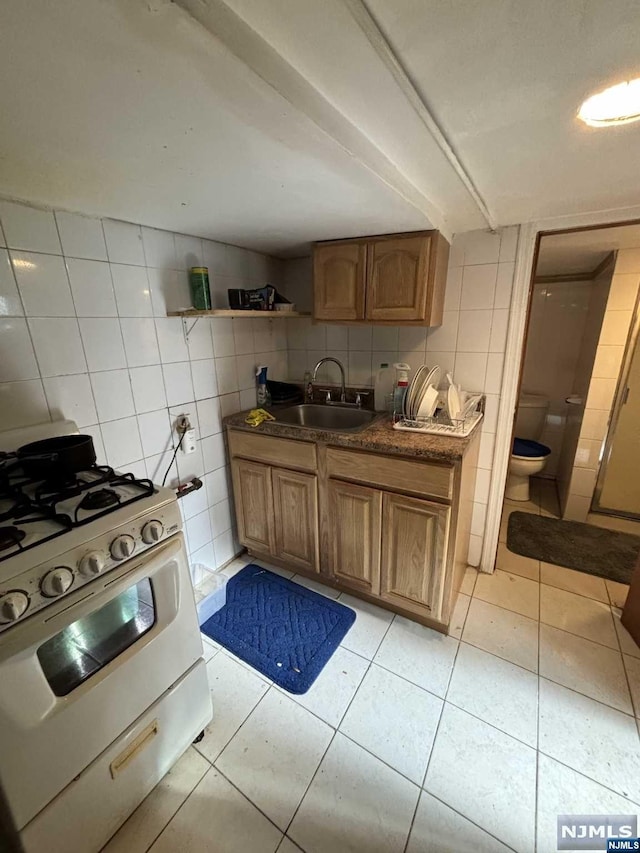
(263, 395)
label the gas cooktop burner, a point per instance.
(99, 499)
(10, 537)
(45, 509)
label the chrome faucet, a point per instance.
(343, 394)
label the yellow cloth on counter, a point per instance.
(257, 416)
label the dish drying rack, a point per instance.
(441, 423)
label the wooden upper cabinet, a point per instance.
(339, 271)
(398, 280)
(414, 537)
(395, 278)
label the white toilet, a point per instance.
(528, 456)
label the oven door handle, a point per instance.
(26, 636)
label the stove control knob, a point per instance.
(152, 532)
(12, 606)
(56, 581)
(123, 547)
(91, 564)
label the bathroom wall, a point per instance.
(470, 343)
(84, 335)
(603, 381)
(556, 325)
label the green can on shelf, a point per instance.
(199, 286)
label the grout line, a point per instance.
(589, 778)
(472, 822)
(555, 626)
(424, 777)
(539, 677)
(636, 710)
(335, 732)
(248, 799)
(174, 813)
(311, 781)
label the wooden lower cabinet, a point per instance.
(295, 514)
(254, 504)
(392, 530)
(414, 536)
(354, 524)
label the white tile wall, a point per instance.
(618, 317)
(557, 322)
(84, 335)
(470, 342)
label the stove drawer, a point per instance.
(89, 810)
(63, 720)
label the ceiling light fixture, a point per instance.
(618, 104)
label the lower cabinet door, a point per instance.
(354, 532)
(414, 537)
(254, 504)
(295, 513)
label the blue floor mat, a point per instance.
(284, 630)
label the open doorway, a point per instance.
(572, 497)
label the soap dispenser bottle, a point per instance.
(263, 395)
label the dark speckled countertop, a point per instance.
(379, 437)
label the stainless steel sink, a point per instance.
(338, 418)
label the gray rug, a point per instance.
(606, 553)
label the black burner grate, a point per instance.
(24, 501)
(10, 537)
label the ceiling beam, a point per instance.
(380, 44)
(223, 24)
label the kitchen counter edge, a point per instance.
(378, 437)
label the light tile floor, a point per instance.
(412, 741)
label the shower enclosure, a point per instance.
(617, 489)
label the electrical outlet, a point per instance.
(187, 433)
(189, 442)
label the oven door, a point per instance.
(77, 674)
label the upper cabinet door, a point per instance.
(339, 276)
(398, 279)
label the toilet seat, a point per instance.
(528, 458)
(526, 448)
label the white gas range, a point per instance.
(103, 680)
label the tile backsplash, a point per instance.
(470, 343)
(84, 335)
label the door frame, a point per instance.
(526, 251)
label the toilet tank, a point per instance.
(532, 411)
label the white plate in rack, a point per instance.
(453, 403)
(427, 378)
(412, 391)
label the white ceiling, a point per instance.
(582, 251)
(271, 124)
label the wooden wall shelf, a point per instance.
(228, 312)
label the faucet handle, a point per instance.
(359, 396)
(326, 391)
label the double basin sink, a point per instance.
(336, 418)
